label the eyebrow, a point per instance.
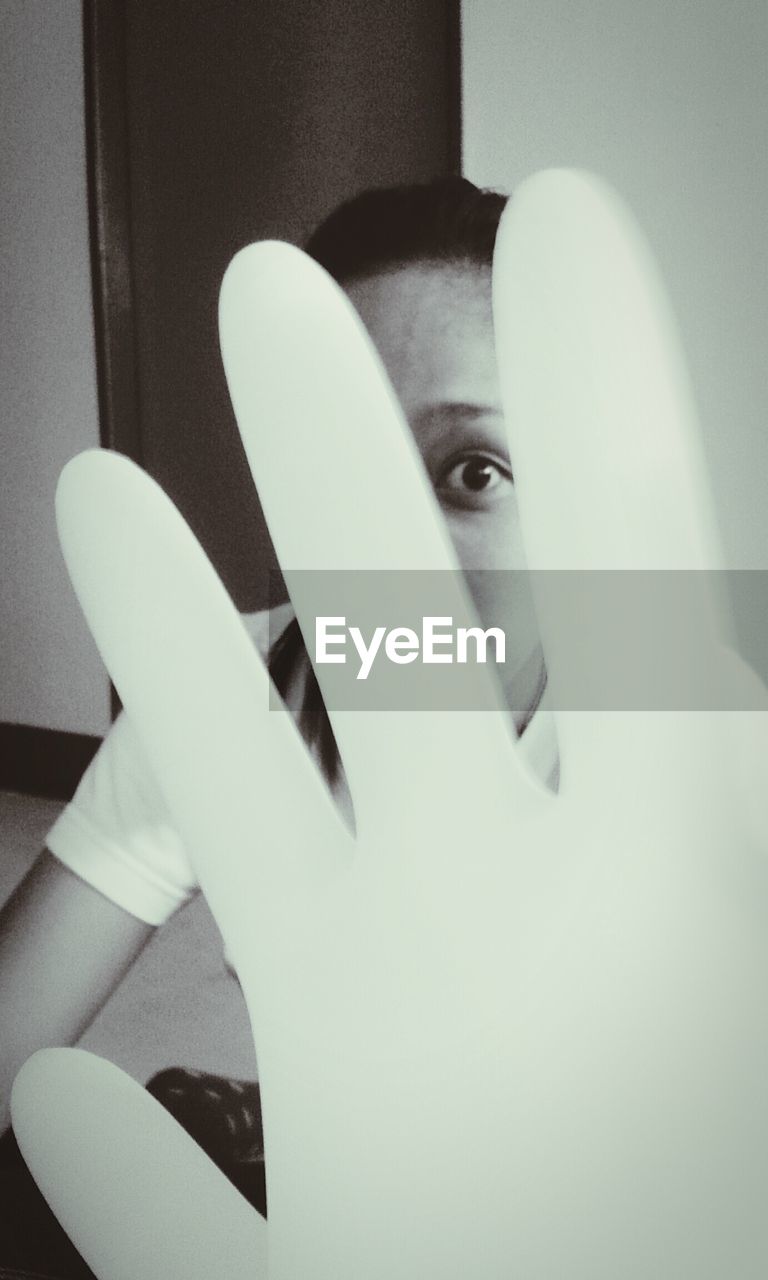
(460, 411)
(445, 425)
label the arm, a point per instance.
(63, 949)
(114, 869)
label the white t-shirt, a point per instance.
(116, 833)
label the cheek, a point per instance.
(490, 551)
(503, 599)
(488, 539)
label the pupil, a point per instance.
(477, 475)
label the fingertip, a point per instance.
(275, 272)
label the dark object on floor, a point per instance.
(224, 1118)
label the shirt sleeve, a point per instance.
(117, 836)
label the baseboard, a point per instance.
(43, 762)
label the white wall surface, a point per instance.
(668, 100)
(50, 673)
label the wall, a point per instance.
(50, 673)
(670, 103)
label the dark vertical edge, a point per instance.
(109, 220)
(454, 83)
(109, 212)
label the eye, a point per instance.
(474, 482)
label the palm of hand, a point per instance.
(500, 1032)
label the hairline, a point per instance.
(419, 262)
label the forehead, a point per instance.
(433, 327)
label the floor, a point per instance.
(178, 1006)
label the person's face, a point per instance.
(432, 325)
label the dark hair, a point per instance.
(448, 220)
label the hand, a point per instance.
(501, 1033)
